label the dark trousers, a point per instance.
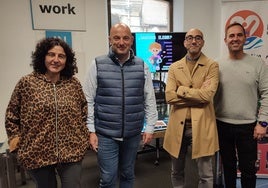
(69, 174)
(237, 144)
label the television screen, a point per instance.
(159, 50)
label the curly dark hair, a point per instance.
(41, 49)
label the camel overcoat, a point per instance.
(185, 90)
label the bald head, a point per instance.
(194, 43)
(194, 30)
(121, 27)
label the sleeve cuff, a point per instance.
(149, 129)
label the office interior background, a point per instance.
(18, 38)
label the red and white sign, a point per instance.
(253, 16)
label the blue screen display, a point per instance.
(159, 50)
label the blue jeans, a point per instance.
(237, 144)
(117, 158)
(69, 174)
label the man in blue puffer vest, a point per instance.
(120, 97)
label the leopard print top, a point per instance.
(49, 119)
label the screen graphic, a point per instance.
(159, 50)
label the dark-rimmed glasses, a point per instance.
(190, 38)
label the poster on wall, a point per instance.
(58, 15)
(254, 17)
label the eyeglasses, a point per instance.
(197, 38)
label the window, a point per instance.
(142, 15)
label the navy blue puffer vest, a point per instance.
(119, 102)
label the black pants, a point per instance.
(237, 144)
(69, 174)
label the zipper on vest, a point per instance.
(123, 102)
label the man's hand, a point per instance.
(147, 138)
(93, 140)
(259, 131)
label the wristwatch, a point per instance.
(263, 123)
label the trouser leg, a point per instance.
(44, 177)
(127, 157)
(247, 155)
(205, 172)
(177, 172)
(228, 153)
(108, 159)
(178, 164)
(70, 174)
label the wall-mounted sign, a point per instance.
(66, 36)
(58, 14)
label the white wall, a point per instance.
(204, 15)
(18, 39)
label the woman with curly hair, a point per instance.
(46, 117)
